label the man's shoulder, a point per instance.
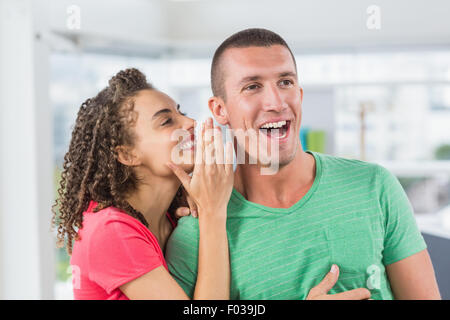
(182, 246)
(340, 164)
(187, 229)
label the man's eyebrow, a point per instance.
(249, 78)
(160, 112)
(288, 74)
(255, 78)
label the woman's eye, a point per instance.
(168, 121)
(179, 111)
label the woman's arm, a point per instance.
(213, 280)
(213, 277)
(157, 284)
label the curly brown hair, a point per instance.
(91, 170)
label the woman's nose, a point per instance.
(189, 124)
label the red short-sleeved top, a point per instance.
(114, 249)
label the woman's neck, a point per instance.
(152, 200)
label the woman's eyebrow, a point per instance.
(160, 112)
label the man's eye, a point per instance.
(286, 82)
(251, 87)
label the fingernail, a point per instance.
(194, 213)
(334, 268)
(186, 210)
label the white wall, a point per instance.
(321, 24)
(27, 265)
(198, 27)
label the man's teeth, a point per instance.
(274, 125)
(186, 145)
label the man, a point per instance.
(286, 230)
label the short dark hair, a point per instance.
(254, 37)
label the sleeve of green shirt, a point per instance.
(402, 237)
(182, 254)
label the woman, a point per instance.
(117, 184)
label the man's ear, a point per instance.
(217, 107)
(126, 156)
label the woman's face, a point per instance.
(162, 134)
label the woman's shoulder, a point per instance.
(110, 219)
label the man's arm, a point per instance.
(408, 265)
(413, 278)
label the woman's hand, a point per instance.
(183, 205)
(212, 179)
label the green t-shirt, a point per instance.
(355, 215)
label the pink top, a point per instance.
(114, 249)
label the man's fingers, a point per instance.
(355, 294)
(181, 174)
(328, 282)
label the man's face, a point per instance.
(262, 90)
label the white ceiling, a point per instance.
(196, 27)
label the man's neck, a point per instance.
(280, 190)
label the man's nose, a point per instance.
(273, 100)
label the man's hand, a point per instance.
(320, 292)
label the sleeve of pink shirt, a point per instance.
(120, 251)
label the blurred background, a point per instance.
(375, 74)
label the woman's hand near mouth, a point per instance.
(210, 188)
(212, 179)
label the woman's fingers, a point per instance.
(218, 145)
(182, 212)
(209, 142)
(199, 147)
(181, 174)
(192, 206)
(229, 153)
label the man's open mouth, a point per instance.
(277, 130)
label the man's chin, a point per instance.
(286, 158)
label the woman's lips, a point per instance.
(187, 144)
